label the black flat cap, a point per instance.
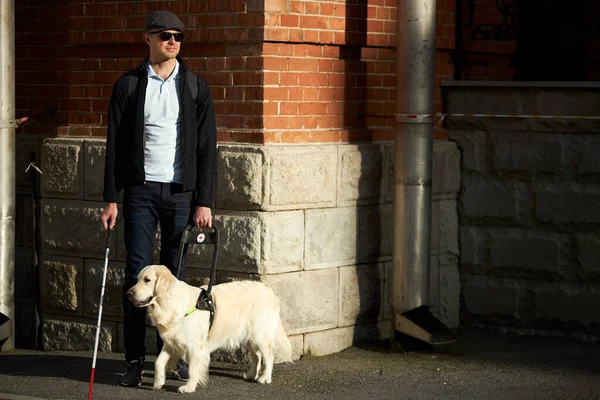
(163, 20)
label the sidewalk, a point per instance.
(479, 366)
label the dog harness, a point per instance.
(205, 302)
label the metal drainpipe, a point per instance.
(7, 174)
(413, 169)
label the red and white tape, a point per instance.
(443, 116)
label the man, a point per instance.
(161, 150)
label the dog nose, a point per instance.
(129, 293)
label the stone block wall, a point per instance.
(312, 221)
(528, 208)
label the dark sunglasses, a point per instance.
(166, 36)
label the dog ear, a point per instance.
(159, 312)
(164, 282)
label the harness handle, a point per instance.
(199, 236)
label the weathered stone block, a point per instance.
(448, 293)
(472, 145)
(360, 173)
(335, 340)
(239, 178)
(239, 244)
(375, 232)
(62, 285)
(584, 153)
(112, 307)
(525, 249)
(61, 335)
(196, 276)
(361, 294)
(327, 342)
(389, 184)
(330, 237)
(387, 291)
(472, 245)
(486, 198)
(62, 165)
(301, 177)
(568, 303)
(588, 251)
(527, 151)
(309, 300)
(575, 203)
(448, 227)
(488, 296)
(446, 168)
(297, 342)
(95, 153)
(72, 227)
(227, 276)
(434, 293)
(282, 234)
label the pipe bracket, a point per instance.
(8, 123)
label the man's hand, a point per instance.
(202, 217)
(109, 216)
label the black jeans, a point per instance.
(143, 208)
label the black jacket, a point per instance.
(124, 165)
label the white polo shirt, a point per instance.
(162, 128)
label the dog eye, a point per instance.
(146, 279)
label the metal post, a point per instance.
(413, 171)
(414, 148)
(7, 174)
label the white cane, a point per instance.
(108, 233)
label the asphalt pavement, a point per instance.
(480, 365)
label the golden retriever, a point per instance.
(246, 316)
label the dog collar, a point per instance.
(191, 310)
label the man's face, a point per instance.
(162, 50)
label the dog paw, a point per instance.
(264, 380)
(249, 376)
(186, 389)
(158, 384)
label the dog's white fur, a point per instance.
(246, 316)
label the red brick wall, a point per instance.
(69, 54)
(330, 69)
(280, 70)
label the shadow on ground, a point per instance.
(479, 365)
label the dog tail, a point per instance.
(283, 346)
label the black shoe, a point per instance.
(133, 375)
(181, 371)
